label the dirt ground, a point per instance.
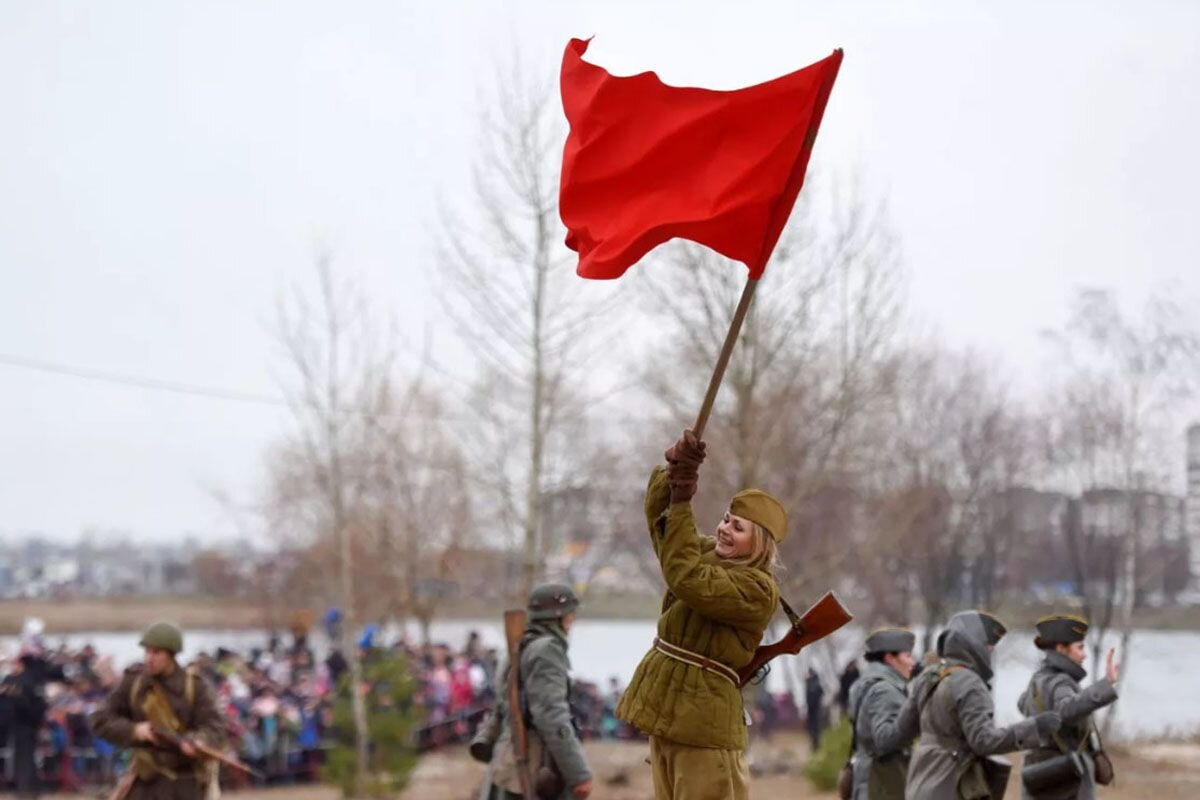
(1166, 771)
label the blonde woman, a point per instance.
(721, 594)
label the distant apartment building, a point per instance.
(1192, 523)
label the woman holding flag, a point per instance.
(644, 163)
(721, 595)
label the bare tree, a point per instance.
(510, 290)
(953, 443)
(1117, 414)
(339, 367)
(811, 361)
(418, 502)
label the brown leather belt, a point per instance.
(696, 660)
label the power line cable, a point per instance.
(136, 381)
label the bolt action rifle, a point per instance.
(826, 616)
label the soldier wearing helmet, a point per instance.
(160, 693)
(554, 747)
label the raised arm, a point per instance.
(976, 717)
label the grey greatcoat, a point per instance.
(545, 683)
(882, 739)
(958, 734)
(1057, 685)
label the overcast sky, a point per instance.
(165, 169)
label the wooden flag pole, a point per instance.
(714, 384)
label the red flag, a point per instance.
(646, 162)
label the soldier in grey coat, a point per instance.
(1055, 686)
(545, 688)
(953, 700)
(882, 739)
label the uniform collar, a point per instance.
(548, 628)
(172, 682)
(1060, 663)
(877, 670)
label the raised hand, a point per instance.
(683, 467)
(1112, 670)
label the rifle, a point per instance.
(514, 629)
(124, 785)
(166, 736)
(826, 616)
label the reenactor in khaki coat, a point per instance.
(160, 693)
(721, 595)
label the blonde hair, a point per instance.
(764, 553)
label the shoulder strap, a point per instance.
(134, 689)
(189, 688)
(1041, 707)
(943, 672)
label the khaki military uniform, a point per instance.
(162, 773)
(712, 610)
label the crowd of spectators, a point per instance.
(278, 703)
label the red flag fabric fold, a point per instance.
(646, 162)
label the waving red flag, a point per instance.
(646, 162)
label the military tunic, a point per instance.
(882, 735)
(694, 716)
(1057, 683)
(955, 707)
(545, 670)
(711, 609)
(174, 776)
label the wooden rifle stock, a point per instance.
(124, 785)
(514, 629)
(826, 616)
(167, 736)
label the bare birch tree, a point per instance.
(1124, 380)
(510, 289)
(338, 365)
(810, 362)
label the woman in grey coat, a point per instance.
(954, 704)
(1056, 686)
(881, 737)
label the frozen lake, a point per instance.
(1160, 697)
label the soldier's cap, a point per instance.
(759, 507)
(1060, 629)
(551, 601)
(163, 636)
(994, 626)
(891, 640)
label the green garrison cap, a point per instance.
(1060, 629)
(891, 640)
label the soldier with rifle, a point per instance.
(537, 752)
(167, 715)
